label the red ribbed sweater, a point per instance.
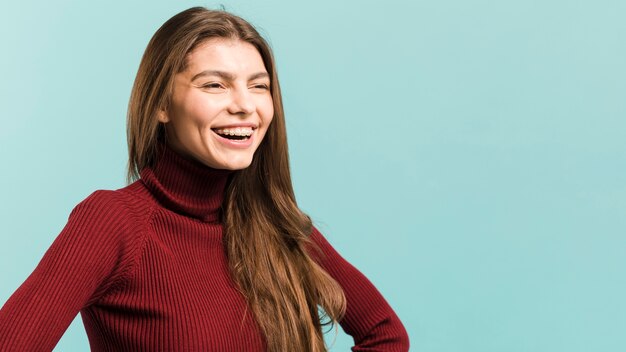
(145, 267)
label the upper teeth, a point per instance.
(239, 131)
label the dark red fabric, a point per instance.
(145, 267)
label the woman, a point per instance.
(206, 248)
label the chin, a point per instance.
(236, 166)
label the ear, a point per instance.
(162, 116)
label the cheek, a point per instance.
(268, 111)
(197, 112)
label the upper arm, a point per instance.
(93, 252)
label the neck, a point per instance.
(185, 185)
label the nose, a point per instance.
(241, 102)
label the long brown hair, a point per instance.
(266, 235)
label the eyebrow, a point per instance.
(227, 75)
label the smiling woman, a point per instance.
(206, 247)
(221, 105)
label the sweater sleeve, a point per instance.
(369, 318)
(88, 257)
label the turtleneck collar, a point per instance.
(186, 185)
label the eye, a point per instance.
(261, 86)
(212, 85)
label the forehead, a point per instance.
(231, 55)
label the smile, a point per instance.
(239, 133)
(241, 139)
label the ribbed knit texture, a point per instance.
(146, 269)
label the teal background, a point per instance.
(467, 156)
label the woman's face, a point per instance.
(225, 90)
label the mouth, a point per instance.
(234, 135)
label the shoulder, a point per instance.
(100, 203)
(105, 232)
(101, 213)
(319, 247)
(318, 237)
(127, 203)
(101, 198)
(111, 220)
(120, 209)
